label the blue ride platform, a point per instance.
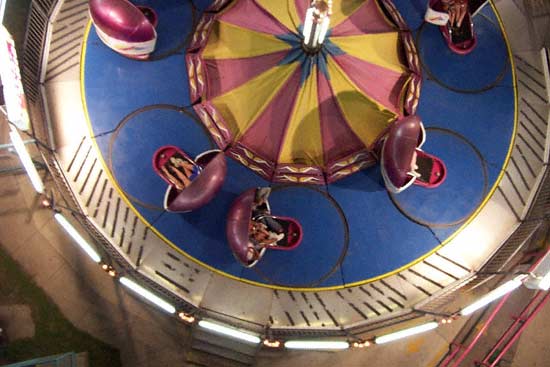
(354, 230)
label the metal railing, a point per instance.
(59, 360)
(71, 203)
(35, 45)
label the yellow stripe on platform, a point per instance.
(302, 141)
(228, 41)
(241, 106)
(381, 49)
(365, 117)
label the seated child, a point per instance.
(260, 211)
(180, 171)
(259, 238)
(457, 10)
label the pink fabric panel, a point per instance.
(366, 19)
(266, 134)
(338, 138)
(301, 7)
(380, 84)
(227, 74)
(247, 14)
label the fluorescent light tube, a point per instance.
(539, 276)
(493, 295)
(544, 283)
(405, 333)
(147, 295)
(26, 160)
(229, 331)
(77, 237)
(311, 344)
(2, 10)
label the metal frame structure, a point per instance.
(59, 360)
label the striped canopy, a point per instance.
(293, 116)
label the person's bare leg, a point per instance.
(171, 178)
(188, 168)
(462, 9)
(188, 171)
(457, 10)
(187, 165)
(182, 177)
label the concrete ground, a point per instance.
(20, 324)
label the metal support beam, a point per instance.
(515, 330)
(9, 145)
(467, 350)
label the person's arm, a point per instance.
(463, 10)
(184, 164)
(262, 228)
(187, 166)
(268, 241)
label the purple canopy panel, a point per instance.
(124, 27)
(201, 190)
(397, 153)
(236, 228)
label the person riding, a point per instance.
(261, 213)
(180, 171)
(259, 237)
(457, 10)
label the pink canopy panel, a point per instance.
(296, 116)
